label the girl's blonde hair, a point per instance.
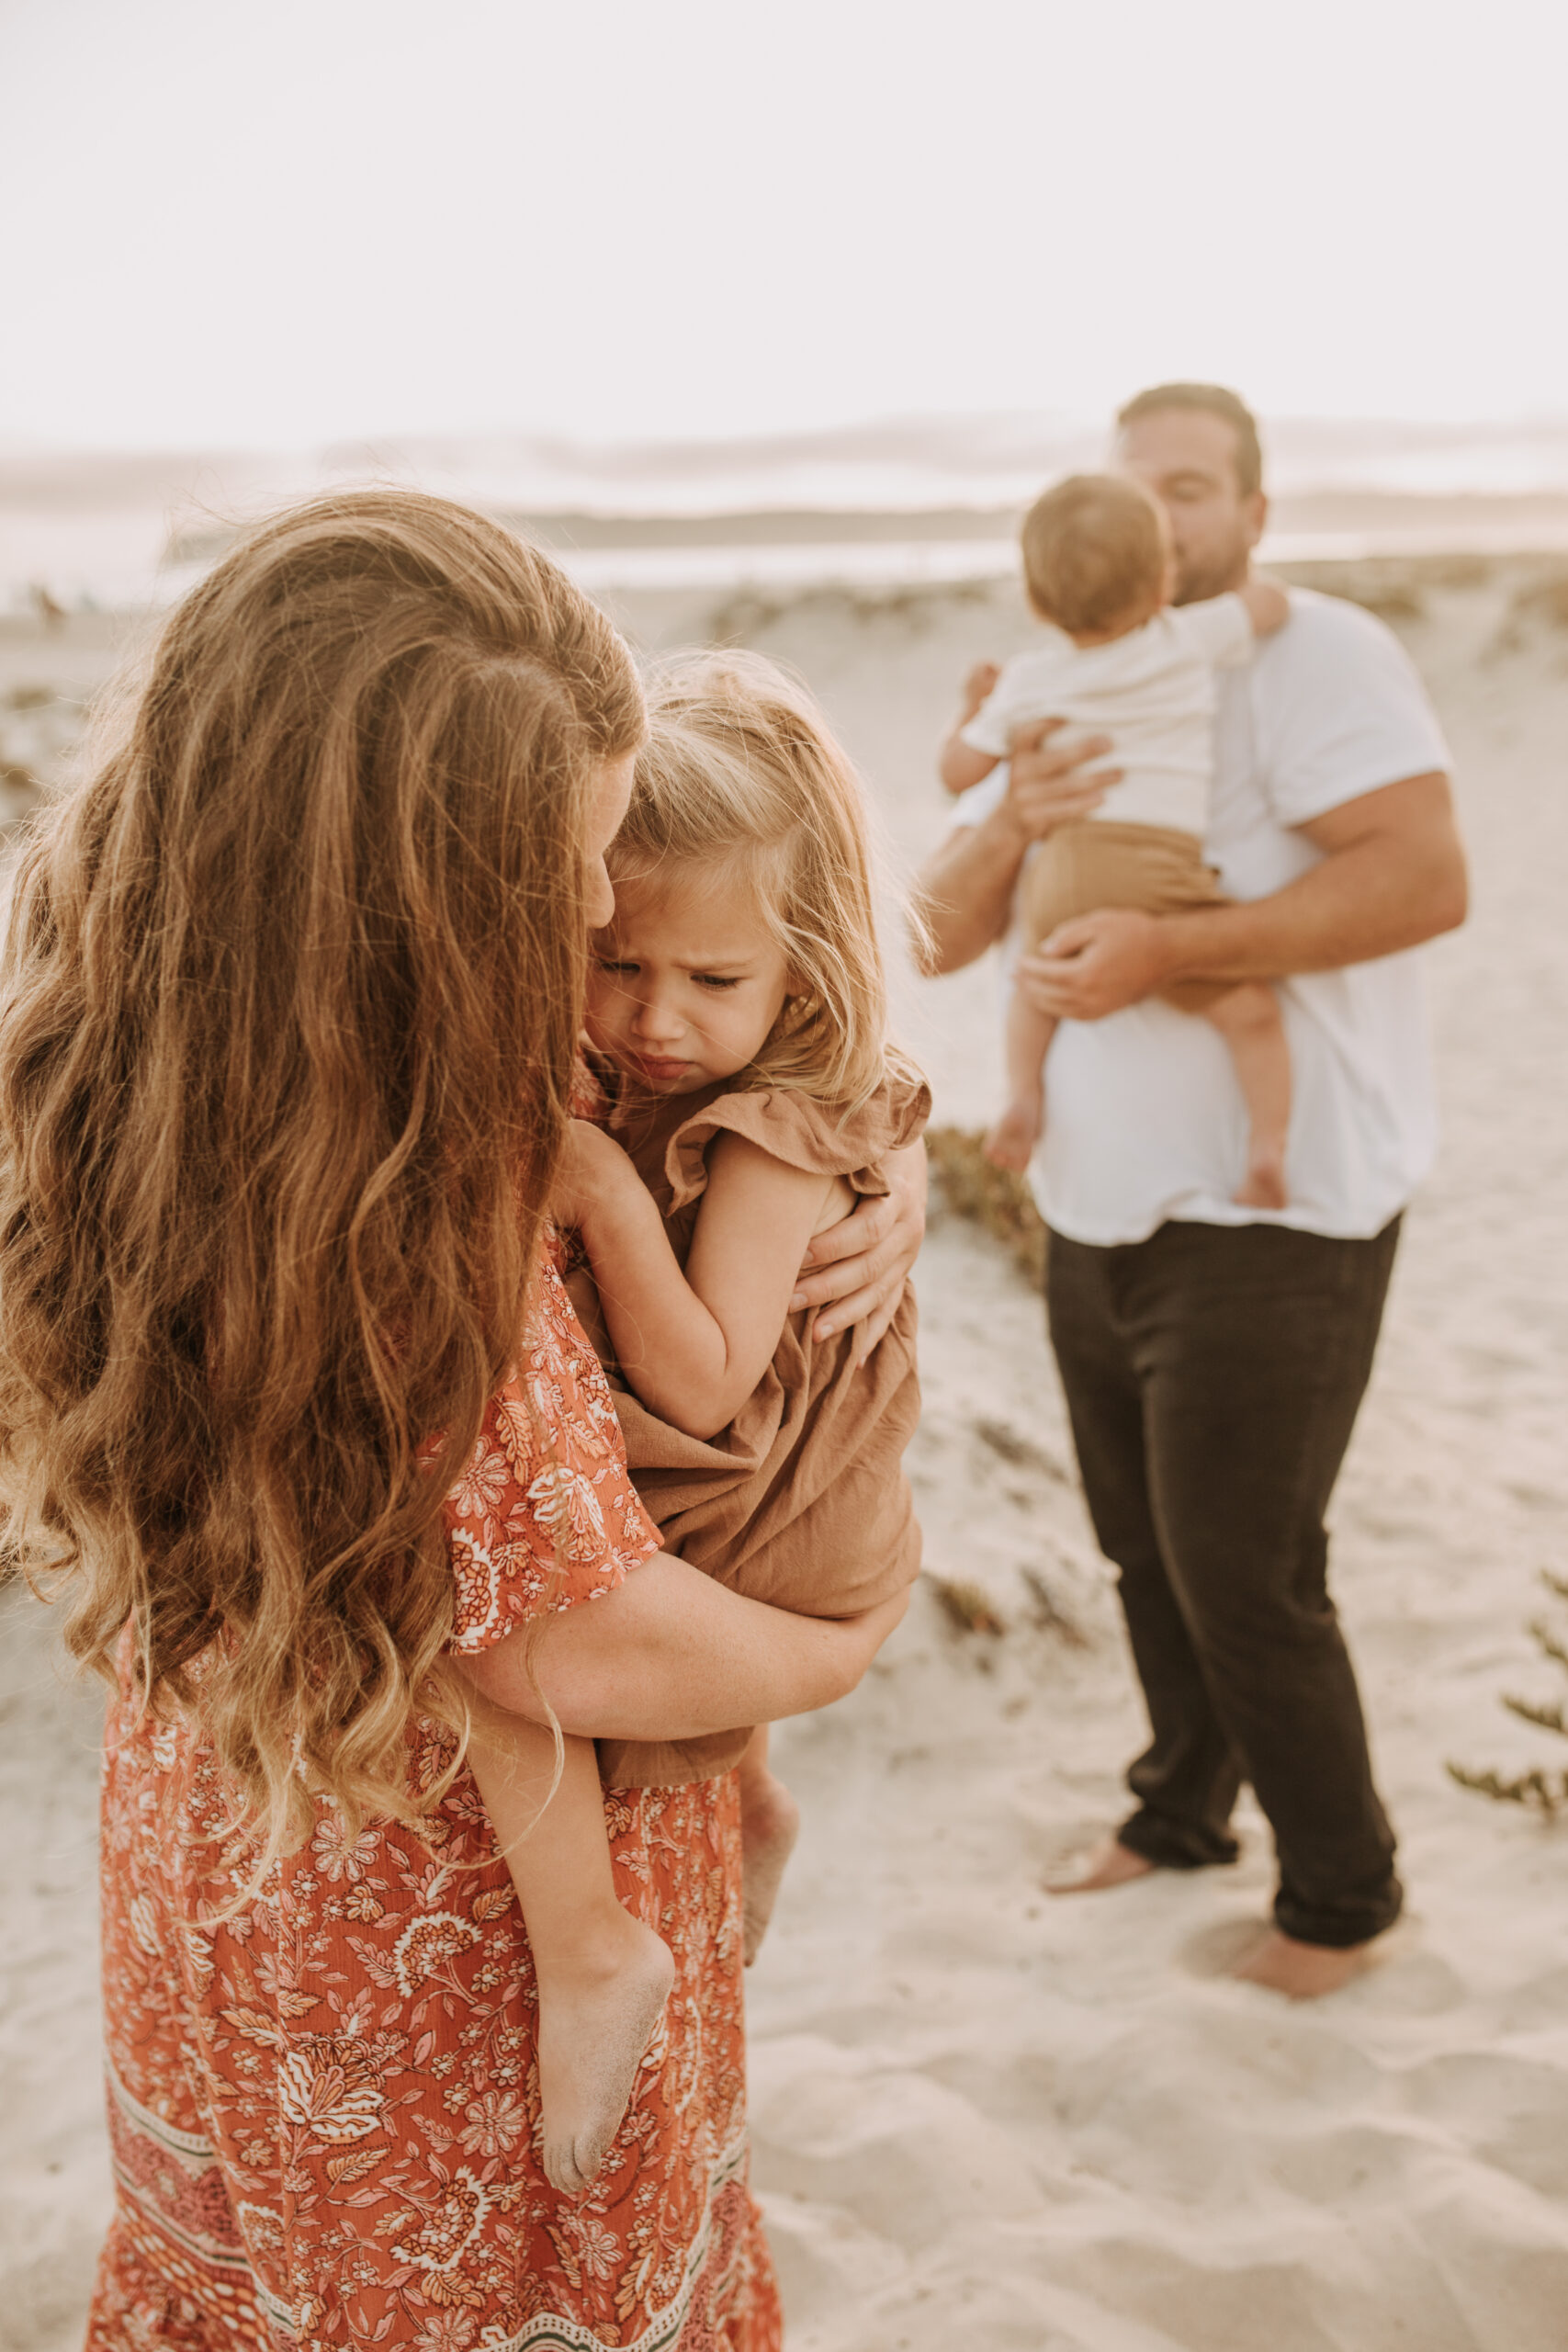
(740, 772)
(291, 994)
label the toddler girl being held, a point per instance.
(738, 1006)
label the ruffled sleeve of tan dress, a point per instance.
(802, 1501)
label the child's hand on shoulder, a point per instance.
(1268, 605)
(593, 1173)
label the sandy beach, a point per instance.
(982, 2117)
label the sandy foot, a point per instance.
(1108, 1864)
(770, 1823)
(594, 2025)
(1300, 1972)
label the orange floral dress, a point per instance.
(324, 2112)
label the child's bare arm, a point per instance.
(1268, 606)
(693, 1345)
(960, 764)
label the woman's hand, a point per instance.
(671, 1654)
(861, 1264)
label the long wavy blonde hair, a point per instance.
(288, 1007)
(741, 772)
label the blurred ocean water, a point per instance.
(909, 500)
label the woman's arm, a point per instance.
(692, 1344)
(671, 1654)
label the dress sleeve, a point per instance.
(545, 1514)
(802, 1134)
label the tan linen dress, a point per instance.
(802, 1501)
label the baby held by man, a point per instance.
(1121, 660)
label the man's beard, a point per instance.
(1197, 580)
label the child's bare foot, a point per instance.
(597, 2016)
(1012, 1141)
(1265, 1185)
(1108, 1864)
(770, 1823)
(1300, 1972)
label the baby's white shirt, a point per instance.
(1153, 692)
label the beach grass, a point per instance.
(995, 1199)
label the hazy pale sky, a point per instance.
(299, 219)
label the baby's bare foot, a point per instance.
(596, 2018)
(1108, 1864)
(1265, 1185)
(1300, 1972)
(1012, 1141)
(770, 1823)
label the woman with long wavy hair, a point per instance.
(293, 1407)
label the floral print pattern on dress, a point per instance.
(324, 2107)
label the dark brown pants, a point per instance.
(1212, 1374)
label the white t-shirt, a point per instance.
(1155, 690)
(1144, 1119)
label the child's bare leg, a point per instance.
(770, 1823)
(1248, 1018)
(604, 1977)
(1029, 1033)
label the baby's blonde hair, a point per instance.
(740, 772)
(1095, 550)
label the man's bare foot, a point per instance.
(770, 1823)
(1012, 1141)
(1108, 1864)
(1300, 1972)
(1264, 1187)
(597, 2016)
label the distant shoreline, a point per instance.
(118, 559)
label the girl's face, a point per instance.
(686, 982)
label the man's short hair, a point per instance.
(1208, 400)
(1095, 546)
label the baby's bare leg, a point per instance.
(1248, 1018)
(1028, 1036)
(602, 1976)
(770, 1823)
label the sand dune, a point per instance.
(983, 2117)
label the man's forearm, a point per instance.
(965, 891)
(1372, 895)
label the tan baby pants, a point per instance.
(1092, 864)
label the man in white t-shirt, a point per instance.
(1214, 1355)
